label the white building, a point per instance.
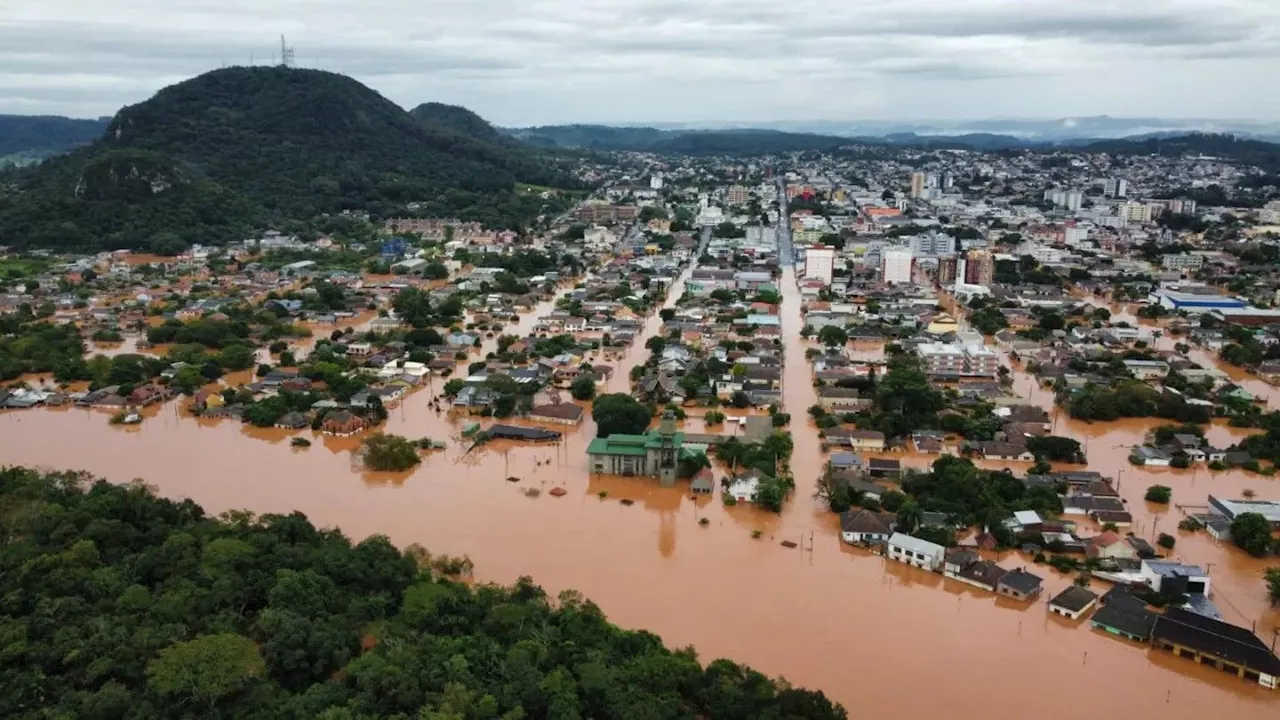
(915, 552)
(1134, 212)
(895, 266)
(1069, 199)
(819, 263)
(1116, 188)
(710, 216)
(1175, 577)
(655, 181)
(959, 360)
(933, 244)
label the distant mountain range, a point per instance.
(1260, 150)
(1097, 127)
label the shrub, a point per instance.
(1159, 494)
(1166, 541)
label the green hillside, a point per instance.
(213, 158)
(44, 135)
(117, 604)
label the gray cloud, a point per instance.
(638, 60)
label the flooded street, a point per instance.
(824, 615)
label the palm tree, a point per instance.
(909, 515)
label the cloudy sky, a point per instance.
(524, 62)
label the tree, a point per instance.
(1052, 447)
(1252, 533)
(583, 388)
(618, 413)
(770, 494)
(1166, 541)
(206, 669)
(1158, 494)
(388, 453)
(832, 336)
(164, 597)
(1272, 578)
(910, 515)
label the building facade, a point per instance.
(819, 263)
(896, 265)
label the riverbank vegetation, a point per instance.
(117, 603)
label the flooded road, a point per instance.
(835, 618)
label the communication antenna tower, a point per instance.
(286, 54)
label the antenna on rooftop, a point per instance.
(286, 54)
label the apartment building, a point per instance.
(943, 360)
(895, 266)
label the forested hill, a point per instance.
(41, 135)
(1265, 155)
(114, 604)
(214, 157)
(456, 127)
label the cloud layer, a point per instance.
(551, 61)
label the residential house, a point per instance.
(460, 339)
(863, 527)
(1147, 369)
(743, 486)
(1019, 584)
(993, 450)
(1073, 602)
(1124, 615)
(1146, 455)
(845, 461)
(293, 421)
(561, 414)
(914, 551)
(838, 399)
(1110, 546)
(968, 567)
(889, 468)
(342, 423)
(867, 440)
(704, 482)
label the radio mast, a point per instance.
(286, 54)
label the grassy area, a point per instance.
(16, 268)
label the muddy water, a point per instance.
(867, 632)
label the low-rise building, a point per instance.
(1073, 602)
(915, 552)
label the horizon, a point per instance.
(608, 62)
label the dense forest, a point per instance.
(119, 604)
(459, 130)
(46, 134)
(214, 157)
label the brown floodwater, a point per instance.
(824, 615)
